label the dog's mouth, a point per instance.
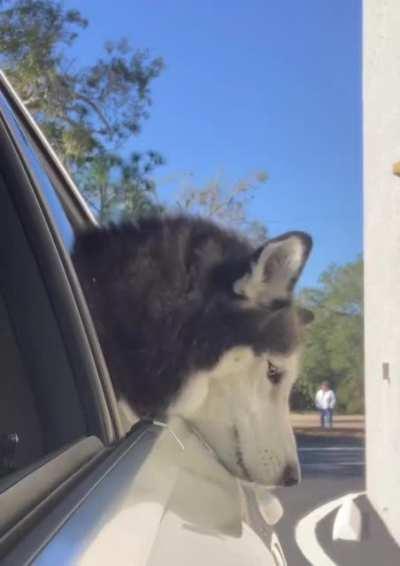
(237, 467)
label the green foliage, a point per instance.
(334, 342)
(350, 395)
(86, 113)
(119, 189)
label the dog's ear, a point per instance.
(275, 268)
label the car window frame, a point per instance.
(97, 369)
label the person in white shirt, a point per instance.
(325, 401)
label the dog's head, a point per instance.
(240, 405)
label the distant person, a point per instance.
(325, 401)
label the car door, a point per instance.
(60, 433)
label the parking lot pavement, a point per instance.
(331, 455)
(376, 546)
(301, 500)
(332, 467)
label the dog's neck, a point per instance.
(195, 486)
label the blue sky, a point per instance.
(255, 85)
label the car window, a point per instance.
(21, 440)
(42, 177)
(40, 409)
(53, 417)
(66, 215)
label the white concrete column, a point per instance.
(381, 94)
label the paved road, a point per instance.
(331, 456)
(331, 467)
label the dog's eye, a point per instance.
(274, 374)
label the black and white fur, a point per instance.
(196, 323)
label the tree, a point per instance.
(86, 113)
(120, 189)
(89, 113)
(226, 205)
(334, 344)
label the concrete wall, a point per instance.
(381, 85)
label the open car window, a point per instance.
(52, 417)
(65, 215)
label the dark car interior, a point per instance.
(38, 399)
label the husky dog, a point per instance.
(196, 323)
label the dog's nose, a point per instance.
(290, 476)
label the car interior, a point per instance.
(39, 402)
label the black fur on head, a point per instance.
(161, 293)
